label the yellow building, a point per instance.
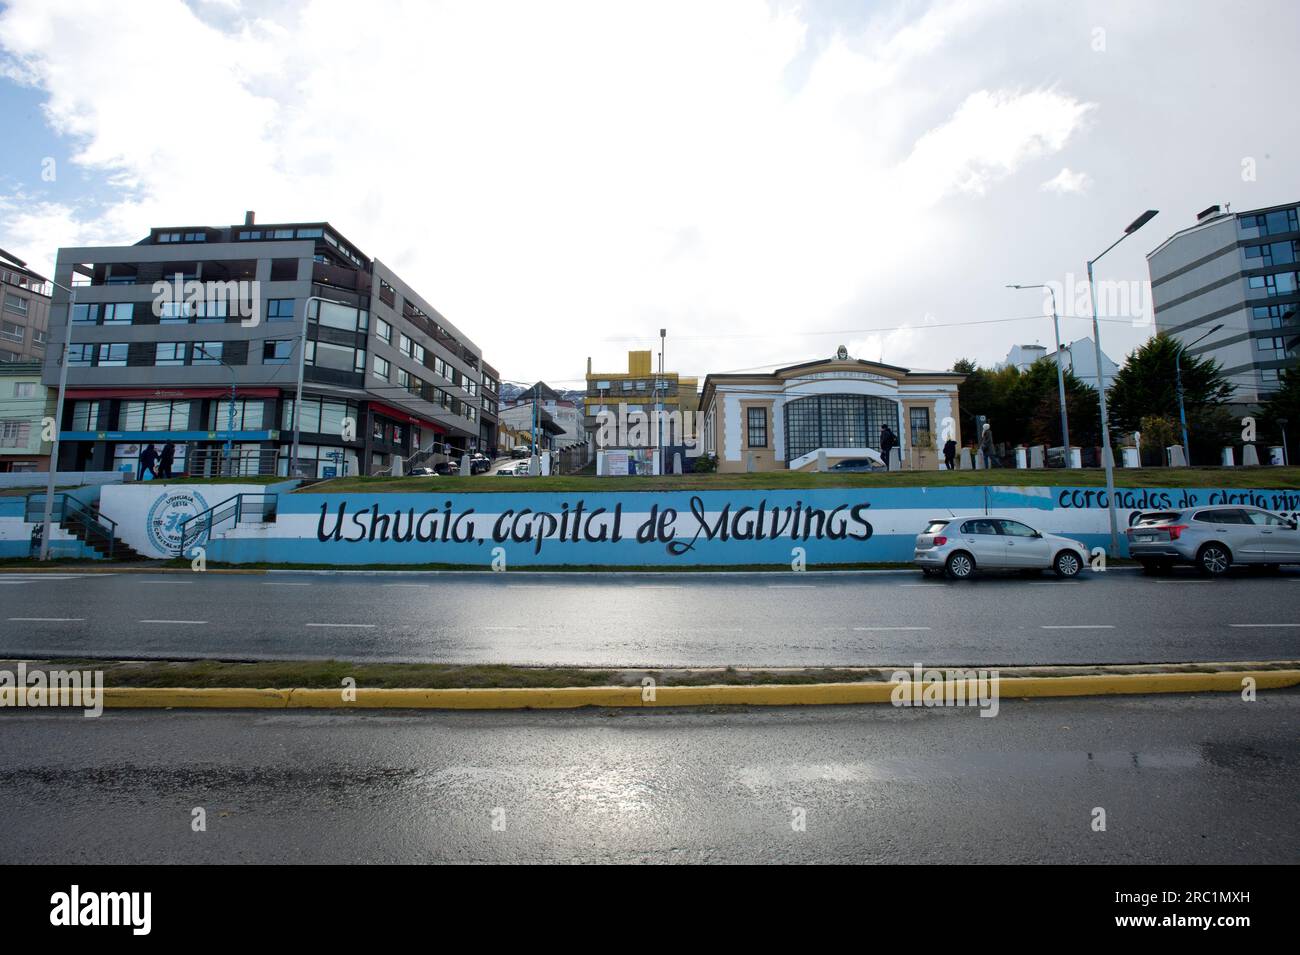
(640, 389)
(836, 407)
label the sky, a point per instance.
(764, 180)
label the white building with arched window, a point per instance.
(785, 418)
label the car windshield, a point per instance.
(1158, 517)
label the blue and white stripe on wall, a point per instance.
(606, 528)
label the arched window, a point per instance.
(836, 421)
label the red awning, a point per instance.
(163, 394)
(399, 415)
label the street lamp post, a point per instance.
(660, 384)
(1178, 378)
(1060, 372)
(1107, 458)
(58, 418)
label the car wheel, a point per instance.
(1067, 564)
(1214, 560)
(960, 565)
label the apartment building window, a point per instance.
(471, 386)
(344, 317)
(277, 351)
(410, 349)
(206, 312)
(919, 419)
(319, 416)
(1272, 316)
(248, 414)
(1272, 223)
(12, 332)
(24, 389)
(757, 421)
(15, 433)
(1272, 253)
(81, 356)
(85, 415)
(629, 385)
(337, 357)
(279, 309)
(154, 416)
(1279, 283)
(207, 353)
(15, 304)
(384, 331)
(111, 355)
(170, 313)
(382, 368)
(38, 336)
(169, 353)
(121, 313)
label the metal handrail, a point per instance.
(194, 527)
(67, 510)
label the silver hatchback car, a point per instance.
(958, 546)
(1213, 538)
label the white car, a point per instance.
(959, 546)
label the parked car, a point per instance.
(512, 470)
(1213, 539)
(479, 464)
(446, 467)
(857, 465)
(959, 546)
(423, 472)
(523, 451)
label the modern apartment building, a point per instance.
(24, 403)
(490, 413)
(1079, 358)
(162, 329)
(24, 311)
(1240, 270)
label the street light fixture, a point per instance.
(58, 418)
(1060, 372)
(1178, 377)
(1107, 459)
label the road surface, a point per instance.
(1182, 779)
(653, 620)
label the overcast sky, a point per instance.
(765, 180)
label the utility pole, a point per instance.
(58, 417)
(660, 386)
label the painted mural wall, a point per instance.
(827, 526)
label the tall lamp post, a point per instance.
(58, 417)
(1107, 458)
(1060, 372)
(660, 384)
(1178, 377)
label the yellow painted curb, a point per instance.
(813, 694)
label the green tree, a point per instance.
(1037, 396)
(1282, 405)
(1147, 386)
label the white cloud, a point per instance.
(554, 176)
(1067, 181)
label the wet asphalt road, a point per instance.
(1182, 779)
(654, 620)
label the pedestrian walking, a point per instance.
(950, 454)
(986, 445)
(166, 459)
(888, 441)
(148, 462)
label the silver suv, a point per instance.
(1213, 538)
(960, 545)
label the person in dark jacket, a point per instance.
(888, 441)
(166, 459)
(148, 462)
(950, 454)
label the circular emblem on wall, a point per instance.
(164, 522)
(841, 353)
